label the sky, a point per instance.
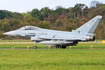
(22, 6)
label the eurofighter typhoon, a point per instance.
(60, 39)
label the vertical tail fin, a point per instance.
(90, 26)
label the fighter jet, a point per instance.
(59, 39)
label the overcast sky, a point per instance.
(27, 5)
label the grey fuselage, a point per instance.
(59, 38)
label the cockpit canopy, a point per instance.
(28, 28)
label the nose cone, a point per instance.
(11, 33)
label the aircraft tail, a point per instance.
(90, 26)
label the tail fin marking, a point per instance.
(90, 26)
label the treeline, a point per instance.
(59, 19)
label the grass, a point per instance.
(15, 40)
(24, 45)
(20, 45)
(87, 45)
(54, 59)
(15, 45)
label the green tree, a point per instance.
(26, 16)
(58, 22)
(44, 24)
(5, 14)
(37, 14)
(72, 27)
(77, 10)
(5, 26)
(1, 34)
(59, 10)
(17, 15)
(15, 22)
(45, 12)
